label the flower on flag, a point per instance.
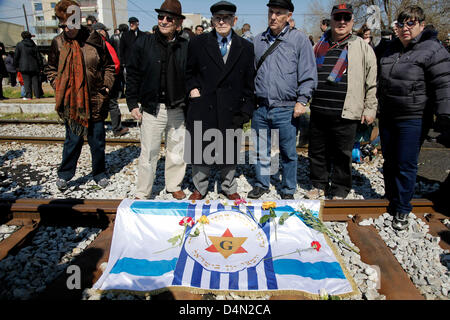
(238, 202)
(269, 205)
(316, 245)
(187, 221)
(203, 220)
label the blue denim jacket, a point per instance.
(289, 73)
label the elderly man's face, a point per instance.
(134, 26)
(223, 23)
(278, 17)
(341, 24)
(168, 24)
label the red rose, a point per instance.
(187, 221)
(316, 245)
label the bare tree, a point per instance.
(437, 12)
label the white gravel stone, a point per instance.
(31, 173)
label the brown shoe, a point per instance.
(121, 132)
(234, 196)
(196, 195)
(179, 195)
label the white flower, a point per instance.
(323, 294)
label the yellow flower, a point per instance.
(269, 205)
(203, 220)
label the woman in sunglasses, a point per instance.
(414, 82)
(81, 71)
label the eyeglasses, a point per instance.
(222, 18)
(409, 24)
(339, 16)
(168, 18)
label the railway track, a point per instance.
(33, 213)
(52, 140)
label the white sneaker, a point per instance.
(103, 183)
(315, 194)
(400, 221)
(61, 184)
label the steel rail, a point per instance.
(30, 213)
(333, 210)
(52, 140)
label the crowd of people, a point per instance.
(198, 89)
(25, 64)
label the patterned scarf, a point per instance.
(320, 51)
(72, 93)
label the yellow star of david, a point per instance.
(227, 244)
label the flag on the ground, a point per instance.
(213, 246)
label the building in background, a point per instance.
(45, 22)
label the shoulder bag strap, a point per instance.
(267, 53)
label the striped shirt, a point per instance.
(329, 97)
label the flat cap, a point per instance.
(133, 19)
(286, 4)
(223, 7)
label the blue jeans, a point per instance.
(400, 144)
(72, 150)
(264, 120)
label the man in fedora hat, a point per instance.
(155, 79)
(127, 41)
(284, 84)
(219, 78)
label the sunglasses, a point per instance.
(168, 18)
(339, 16)
(409, 24)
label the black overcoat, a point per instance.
(227, 91)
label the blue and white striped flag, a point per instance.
(231, 252)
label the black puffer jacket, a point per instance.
(413, 77)
(27, 57)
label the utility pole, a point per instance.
(25, 14)
(113, 9)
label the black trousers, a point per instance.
(1, 87)
(13, 78)
(113, 107)
(331, 140)
(31, 82)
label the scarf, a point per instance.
(175, 84)
(72, 93)
(320, 51)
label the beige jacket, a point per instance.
(361, 98)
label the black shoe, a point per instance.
(257, 192)
(286, 196)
